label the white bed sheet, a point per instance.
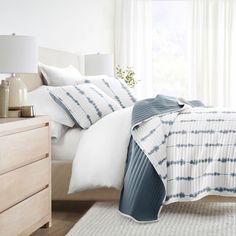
(65, 148)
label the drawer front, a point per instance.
(22, 148)
(23, 182)
(23, 216)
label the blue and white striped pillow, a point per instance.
(85, 103)
(113, 87)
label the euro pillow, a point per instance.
(85, 103)
(113, 87)
(44, 105)
(55, 76)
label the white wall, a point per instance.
(81, 26)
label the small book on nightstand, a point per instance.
(14, 113)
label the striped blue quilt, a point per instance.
(179, 151)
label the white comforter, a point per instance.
(200, 147)
(101, 153)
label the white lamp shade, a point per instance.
(18, 54)
(98, 64)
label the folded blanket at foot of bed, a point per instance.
(179, 151)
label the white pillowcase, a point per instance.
(113, 87)
(85, 103)
(44, 105)
(55, 76)
(102, 153)
(57, 131)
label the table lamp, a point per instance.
(98, 64)
(18, 54)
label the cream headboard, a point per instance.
(54, 58)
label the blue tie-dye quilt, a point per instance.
(179, 151)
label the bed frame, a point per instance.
(61, 170)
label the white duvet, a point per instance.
(101, 153)
(198, 158)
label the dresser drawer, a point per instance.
(23, 182)
(21, 218)
(22, 148)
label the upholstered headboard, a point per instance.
(54, 58)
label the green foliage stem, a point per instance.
(127, 74)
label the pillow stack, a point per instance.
(84, 99)
(44, 105)
(85, 103)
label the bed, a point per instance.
(61, 169)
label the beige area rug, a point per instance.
(179, 219)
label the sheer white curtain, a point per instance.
(213, 52)
(133, 41)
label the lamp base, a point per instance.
(17, 92)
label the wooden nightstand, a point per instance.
(25, 175)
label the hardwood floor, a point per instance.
(64, 215)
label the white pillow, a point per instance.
(102, 153)
(113, 87)
(85, 103)
(55, 76)
(44, 105)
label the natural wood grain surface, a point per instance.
(64, 215)
(19, 219)
(22, 148)
(25, 175)
(23, 182)
(16, 125)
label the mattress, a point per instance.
(65, 148)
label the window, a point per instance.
(170, 47)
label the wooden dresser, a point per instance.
(25, 175)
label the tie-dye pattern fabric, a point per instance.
(113, 87)
(193, 151)
(85, 103)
